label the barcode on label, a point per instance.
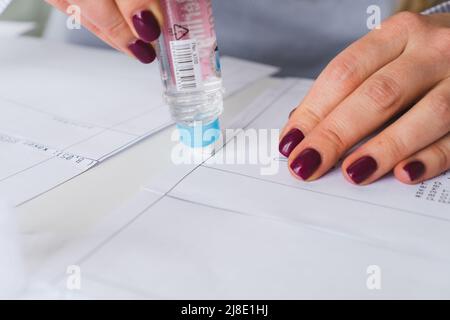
(186, 64)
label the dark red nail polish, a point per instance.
(306, 163)
(290, 113)
(143, 51)
(362, 169)
(146, 26)
(290, 141)
(414, 170)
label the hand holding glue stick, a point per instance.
(190, 69)
(181, 34)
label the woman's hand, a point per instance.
(401, 69)
(127, 25)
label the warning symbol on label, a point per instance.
(179, 31)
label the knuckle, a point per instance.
(343, 69)
(439, 104)
(390, 27)
(116, 29)
(409, 20)
(441, 43)
(333, 136)
(442, 155)
(310, 115)
(393, 146)
(382, 92)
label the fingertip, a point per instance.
(290, 141)
(409, 173)
(361, 171)
(146, 26)
(296, 177)
(144, 52)
(346, 176)
(344, 169)
(401, 175)
(305, 164)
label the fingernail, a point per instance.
(290, 141)
(414, 170)
(290, 113)
(146, 26)
(143, 51)
(362, 169)
(306, 163)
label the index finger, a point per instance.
(344, 74)
(143, 16)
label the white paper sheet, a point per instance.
(64, 109)
(224, 231)
(180, 249)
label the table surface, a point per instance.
(59, 216)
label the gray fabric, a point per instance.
(300, 36)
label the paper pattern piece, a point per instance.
(273, 237)
(65, 109)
